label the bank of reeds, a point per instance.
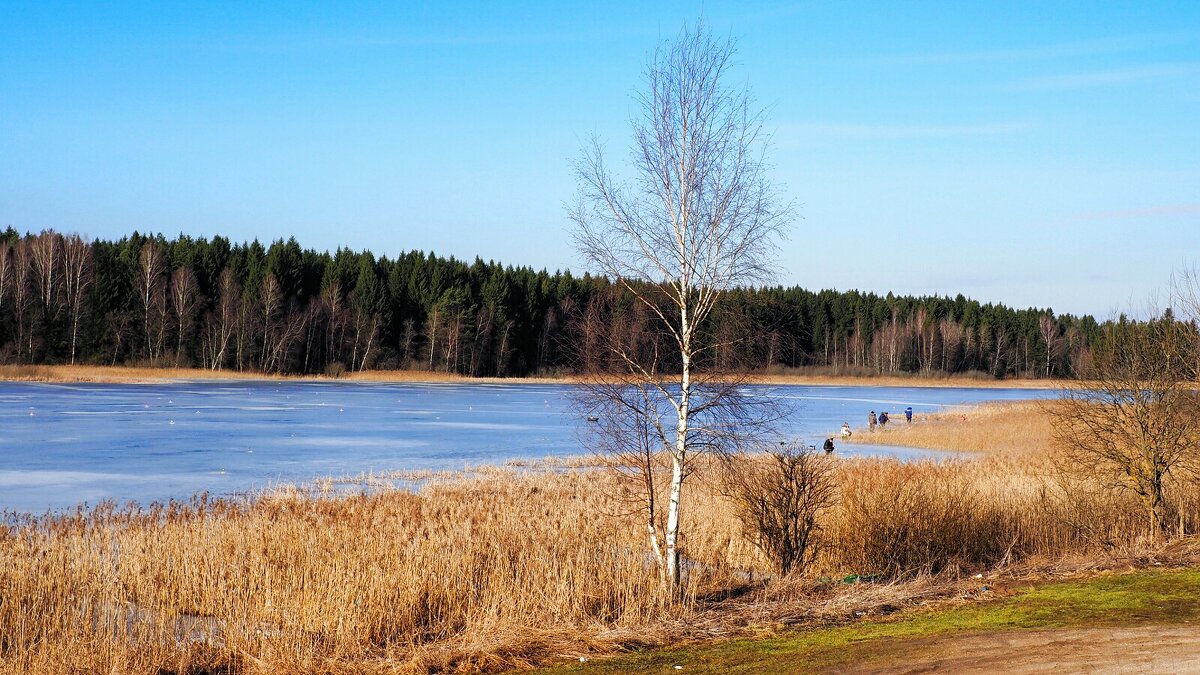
(1020, 427)
(152, 373)
(785, 376)
(502, 568)
(872, 377)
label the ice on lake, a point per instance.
(66, 444)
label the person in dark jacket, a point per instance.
(908, 414)
(828, 445)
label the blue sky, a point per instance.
(1043, 154)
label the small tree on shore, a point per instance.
(696, 216)
(1132, 423)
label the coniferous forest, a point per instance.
(210, 303)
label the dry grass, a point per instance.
(114, 374)
(506, 567)
(142, 374)
(1019, 426)
(864, 378)
(26, 373)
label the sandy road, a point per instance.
(1142, 649)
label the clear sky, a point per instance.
(1032, 153)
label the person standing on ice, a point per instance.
(871, 421)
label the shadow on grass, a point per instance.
(1168, 597)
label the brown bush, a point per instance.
(778, 496)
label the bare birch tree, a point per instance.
(696, 216)
(407, 339)
(183, 302)
(45, 251)
(1048, 328)
(243, 330)
(6, 288)
(223, 322)
(23, 297)
(162, 320)
(78, 275)
(150, 271)
(287, 333)
(332, 301)
(6, 267)
(271, 303)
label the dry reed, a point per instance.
(142, 374)
(841, 376)
(1019, 426)
(505, 567)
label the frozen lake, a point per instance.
(64, 444)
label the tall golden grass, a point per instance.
(822, 375)
(1010, 427)
(138, 374)
(499, 568)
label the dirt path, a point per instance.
(1143, 649)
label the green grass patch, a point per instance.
(1150, 597)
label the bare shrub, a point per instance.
(1133, 425)
(778, 497)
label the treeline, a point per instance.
(211, 303)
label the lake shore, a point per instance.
(516, 567)
(991, 428)
(145, 375)
(529, 564)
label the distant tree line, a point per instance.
(211, 303)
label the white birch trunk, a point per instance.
(655, 548)
(679, 457)
(74, 333)
(672, 534)
(370, 343)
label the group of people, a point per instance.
(884, 418)
(872, 420)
